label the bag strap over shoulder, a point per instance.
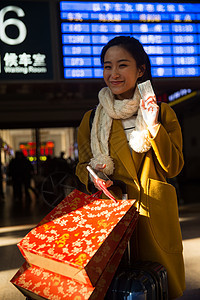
(159, 115)
(92, 117)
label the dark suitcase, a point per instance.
(145, 280)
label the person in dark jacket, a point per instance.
(21, 171)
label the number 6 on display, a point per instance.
(15, 22)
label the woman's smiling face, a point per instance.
(121, 72)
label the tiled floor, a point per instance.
(190, 225)
(16, 219)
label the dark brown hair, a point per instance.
(135, 48)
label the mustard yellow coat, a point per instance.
(158, 231)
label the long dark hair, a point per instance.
(135, 48)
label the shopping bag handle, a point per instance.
(96, 195)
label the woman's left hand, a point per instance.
(150, 111)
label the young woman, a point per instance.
(132, 141)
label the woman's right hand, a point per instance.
(99, 168)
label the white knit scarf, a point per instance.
(107, 110)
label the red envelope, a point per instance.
(78, 238)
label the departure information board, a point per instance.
(169, 32)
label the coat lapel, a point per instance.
(120, 148)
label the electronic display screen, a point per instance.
(169, 32)
(25, 40)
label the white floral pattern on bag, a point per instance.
(75, 229)
(50, 285)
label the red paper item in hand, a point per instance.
(102, 185)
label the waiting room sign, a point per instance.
(25, 40)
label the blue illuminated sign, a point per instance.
(169, 32)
